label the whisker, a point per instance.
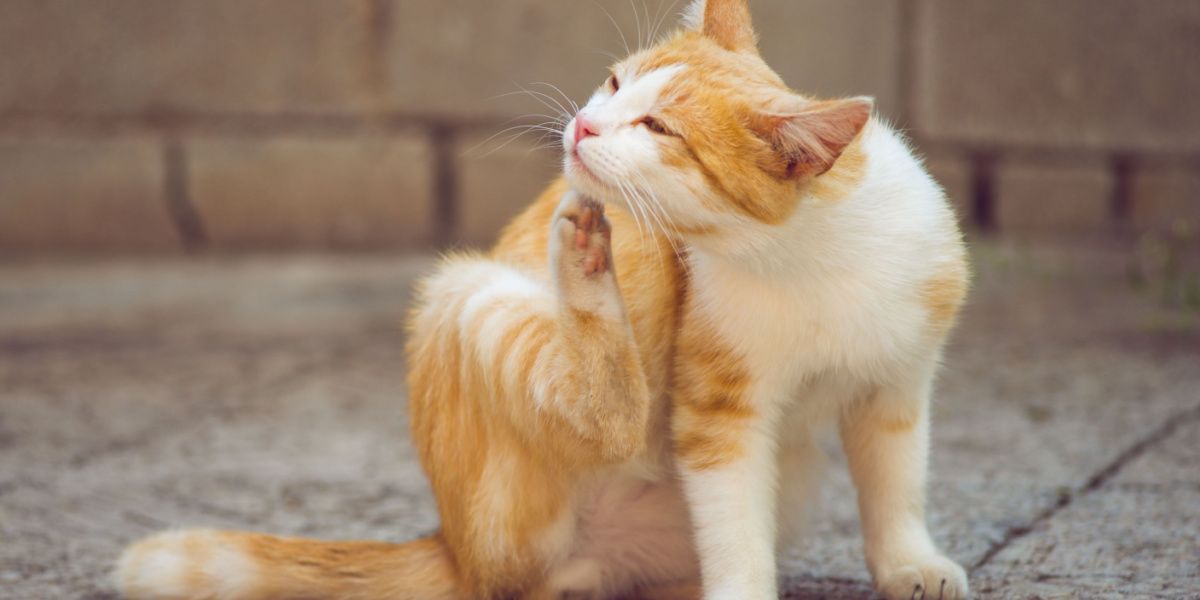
(614, 24)
(632, 211)
(637, 19)
(666, 13)
(646, 13)
(661, 214)
(610, 55)
(562, 110)
(520, 129)
(649, 225)
(574, 106)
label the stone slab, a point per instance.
(458, 56)
(956, 176)
(1166, 198)
(136, 56)
(498, 177)
(1134, 536)
(1098, 74)
(1046, 198)
(81, 194)
(835, 49)
(306, 192)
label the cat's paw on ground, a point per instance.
(930, 578)
(585, 235)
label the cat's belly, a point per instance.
(631, 532)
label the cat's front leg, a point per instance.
(597, 381)
(886, 438)
(724, 440)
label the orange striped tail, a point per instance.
(223, 565)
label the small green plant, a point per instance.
(1162, 265)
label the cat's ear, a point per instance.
(727, 22)
(809, 136)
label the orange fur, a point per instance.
(710, 400)
(943, 296)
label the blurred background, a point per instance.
(142, 126)
(212, 214)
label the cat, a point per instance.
(605, 411)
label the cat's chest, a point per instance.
(794, 329)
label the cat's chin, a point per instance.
(587, 183)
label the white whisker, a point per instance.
(662, 18)
(574, 107)
(614, 24)
(637, 19)
(562, 110)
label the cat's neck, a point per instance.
(866, 224)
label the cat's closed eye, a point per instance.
(613, 83)
(655, 126)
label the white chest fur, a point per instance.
(836, 289)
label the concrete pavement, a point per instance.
(267, 394)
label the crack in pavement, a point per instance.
(1154, 438)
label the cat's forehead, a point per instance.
(705, 61)
(640, 91)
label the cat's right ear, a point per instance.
(726, 22)
(807, 136)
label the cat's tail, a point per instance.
(226, 565)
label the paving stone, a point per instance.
(62, 194)
(1058, 369)
(314, 192)
(131, 56)
(1042, 198)
(1135, 536)
(499, 177)
(1076, 73)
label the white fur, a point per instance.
(733, 507)
(171, 564)
(826, 309)
(693, 15)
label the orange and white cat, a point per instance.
(604, 412)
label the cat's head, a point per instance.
(698, 131)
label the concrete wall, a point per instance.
(155, 125)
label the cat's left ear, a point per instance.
(809, 136)
(726, 22)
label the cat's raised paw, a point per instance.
(932, 578)
(585, 234)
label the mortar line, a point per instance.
(1121, 203)
(445, 185)
(983, 192)
(906, 66)
(177, 195)
(1098, 479)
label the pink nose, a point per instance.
(584, 128)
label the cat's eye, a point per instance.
(655, 125)
(613, 83)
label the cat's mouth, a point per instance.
(581, 167)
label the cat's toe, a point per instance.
(932, 578)
(585, 234)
